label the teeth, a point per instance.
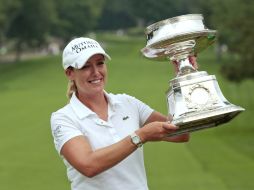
(96, 81)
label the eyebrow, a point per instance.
(99, 59)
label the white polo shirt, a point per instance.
(125, 115)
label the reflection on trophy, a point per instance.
(194, 100)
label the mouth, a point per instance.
(96, 81)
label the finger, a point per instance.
(193, 61)
(169, 118)
(178, 138)
(176, 66)
(169, 126)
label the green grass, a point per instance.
(221, 158)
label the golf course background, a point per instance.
(221, 158)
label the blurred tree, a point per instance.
(31, 24)
(8, 12)
(201, 7)
(116, 14)
(234, 20)
(128, 13)
(150, 11)
(75, 18)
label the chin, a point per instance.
(98, 89)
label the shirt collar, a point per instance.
(112, 100)
(79, 108)
(83, 111)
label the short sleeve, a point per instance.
(143, 109)
(63, 129)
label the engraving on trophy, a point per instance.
(200, 98)
(194, 100)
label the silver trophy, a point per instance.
(194, 100)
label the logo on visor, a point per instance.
(84, 45)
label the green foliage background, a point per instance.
(221, 158)
(28, 24)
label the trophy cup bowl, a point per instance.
(194, 100)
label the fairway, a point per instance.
(221, 158)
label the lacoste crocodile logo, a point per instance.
(126, 117)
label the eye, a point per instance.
(101, 63)
(86, 66)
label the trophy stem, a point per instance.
(185, 67)
(179, 54)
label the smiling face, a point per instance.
(90, 79)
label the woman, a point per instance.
(100, 135)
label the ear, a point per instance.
(69, 72)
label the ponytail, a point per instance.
(71, 88)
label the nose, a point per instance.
(95, 69)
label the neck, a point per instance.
(97, 103)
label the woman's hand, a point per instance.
(158, 131)
(193, 61)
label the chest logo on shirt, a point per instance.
(126, 117)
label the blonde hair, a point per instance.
(71, 88)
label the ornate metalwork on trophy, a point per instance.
(194, 100)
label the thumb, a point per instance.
(169, 126)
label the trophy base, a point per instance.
(202, 120)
